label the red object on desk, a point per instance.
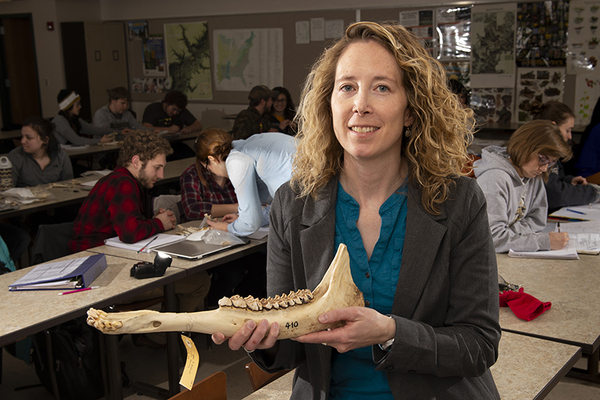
(524, 305)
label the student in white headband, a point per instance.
(70, 128)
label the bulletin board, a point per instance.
(297, 58)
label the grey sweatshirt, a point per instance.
(517, 207)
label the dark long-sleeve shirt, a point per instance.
(561, 192)
(114, 207)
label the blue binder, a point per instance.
(68, 274)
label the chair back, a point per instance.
(212, 388)
(259, 378)
(51, 242)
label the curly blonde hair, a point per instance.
(437, 147)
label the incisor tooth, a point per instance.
(295, 313)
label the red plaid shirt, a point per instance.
(198, 199)
(115, 206)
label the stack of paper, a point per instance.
(145, 245)
(568, 253)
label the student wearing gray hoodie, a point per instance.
(512, 180)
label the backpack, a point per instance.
(76, 360)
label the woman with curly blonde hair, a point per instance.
(382, 142)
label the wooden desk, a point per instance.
(174, 169)
(60, 197)
(527, 368)
(27, 312)
(594, 178)
(573, 287)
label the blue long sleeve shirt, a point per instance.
(257, 166)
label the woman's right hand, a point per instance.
(107, 138)
(251, 336)
(558, 240)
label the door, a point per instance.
(19, 88)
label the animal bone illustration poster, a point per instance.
(537, 84)
(493, 104)
(583, 47)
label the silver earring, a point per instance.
(407, 131)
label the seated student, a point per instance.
(69, 128)
(40, 159)
(116, 115)
(256, 167)
(203, 192)
(512, 180)
(116, 207)
(255, 118)
(563, 190)
(588, 160)
(171, 115)
(283, 112)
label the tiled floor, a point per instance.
(143, 364)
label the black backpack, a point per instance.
(76, 360)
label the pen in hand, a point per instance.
(147, 244)
(79, 290)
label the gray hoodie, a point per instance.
(517, 207)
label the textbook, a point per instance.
(68, 274)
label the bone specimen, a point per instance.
(296, 312)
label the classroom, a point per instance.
(522, 94)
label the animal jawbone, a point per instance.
(296, 313)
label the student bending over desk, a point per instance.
(512, 179)
(116, 207)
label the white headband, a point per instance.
(69, 101)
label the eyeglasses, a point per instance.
(546, 161)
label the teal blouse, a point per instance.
(353, 374)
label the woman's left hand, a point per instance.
(222, 226)
(364, 327)
(579, 180)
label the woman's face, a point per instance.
(31, 141)
(536, 165)
(217, 167)
(369, 104)
(76, 108)
(566, 128)
(280, 103)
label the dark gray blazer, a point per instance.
(446, 303)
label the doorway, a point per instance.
(19, 83)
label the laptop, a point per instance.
(195, 250)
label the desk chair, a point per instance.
(51, 242)
(259, 378)
(212, 388)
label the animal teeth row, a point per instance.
(302, 296)
(97, 319)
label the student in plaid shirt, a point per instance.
(203, 192)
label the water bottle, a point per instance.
(5, 173)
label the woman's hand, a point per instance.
(558, 240)
(222, 226)
(364, 327)
(108, 138)
(251, 336)
(579, 180)
(229, 218)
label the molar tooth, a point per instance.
(238, 301)
(225, 302)
(252, 303)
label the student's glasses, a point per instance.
(543, 160)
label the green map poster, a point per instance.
(188, 59)
(244, 58)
